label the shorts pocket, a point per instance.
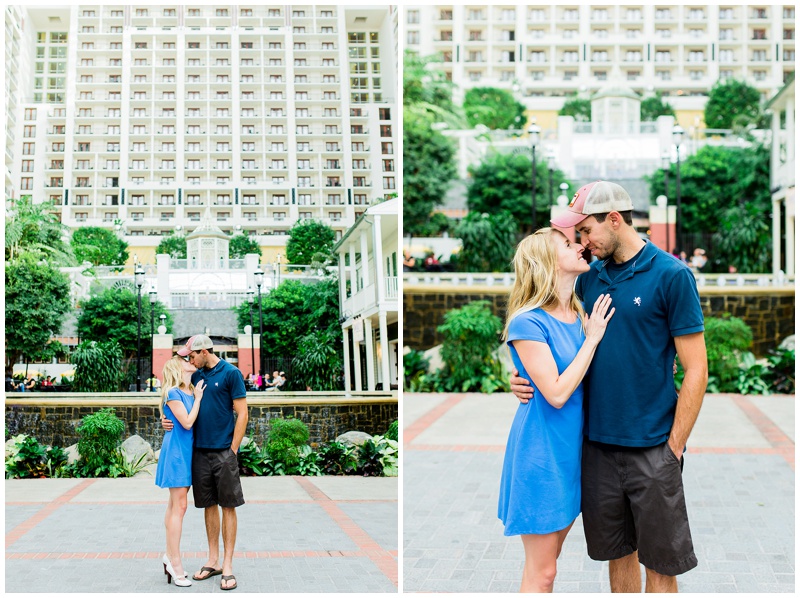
(672, 458)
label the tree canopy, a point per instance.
(173, 245)
(99, 246)
(241, 245)
(308, 238)
(731, 102)
(502, 182)
(488, 242)
(578, 108)
(37, 301)
(655, 106)
(494, 108)
(35, 228)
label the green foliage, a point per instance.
(241, 245)
(99, 443)
(35, 229)
(292, 311)
(286, 437)
(98, 246)
(487, 242)
(111, 316)
(173, 245)
(309, 463)
(436, 224)
(251, 459)
(392, 431)
(37, 301)
(98, 367)
(782, 370)
(752, 376)
(414, 364)
(378, 456)
(578, 108)
(26, 459)
(726, 339)
(428, 88)
(730, 99)
(502, 182)
(470, 333)
(318, 363)
(494, 108)
(306, 238)
(655, 106)
(745, 236)
(336, 458)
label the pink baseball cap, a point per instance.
(599, 197)
(197, 343)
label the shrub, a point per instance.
(336, 458)
(98, 367)
(781, 376)
(285, 438)
(392, 432)
(378, 456)
(251, 459)
(99, 443)
(726, 338)
(29, 459)
(415, 364)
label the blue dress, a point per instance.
(540, 487)
(175, 463)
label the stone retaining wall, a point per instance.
(768, 311)
(53, 421)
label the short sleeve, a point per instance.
(683, 310)
(173, 394)
(527, 326)
(236, 381)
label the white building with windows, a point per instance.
(369, 298)
(145, 116)
(783, 163)
(545, 53)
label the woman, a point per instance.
(552, 341)
(180, 402)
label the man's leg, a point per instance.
(229, 525)
(212, 533)
(625, 575)
(665, 584)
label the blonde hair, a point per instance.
(172, 375)
(536, 284)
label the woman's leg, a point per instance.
(541, 552)
(176, 509)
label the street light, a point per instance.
(162, 328)
(259, 277)
(665, 165)
(278, 271)
(551, 164)
(252, 347)
(153, 297)
(138, 277)
(533, 131)
(677, 138)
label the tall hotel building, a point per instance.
(547, 52)
(143, 118)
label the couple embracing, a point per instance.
(200, 394)
(601, 431)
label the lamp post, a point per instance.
(138, 277)
(259, 277)
(677, 138)
(533, 132)
(162, 328)
(665, 165)
(278, 272)
(153, 297)
(252, 348)
(551, 165)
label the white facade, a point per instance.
(369, 298)
(544, 52)
(146, 115)
(782, 177)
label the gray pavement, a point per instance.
(738, 475)
(323, 534)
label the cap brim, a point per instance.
(568, 219)
(184, 351)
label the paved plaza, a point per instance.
(295, 534)
(739, 478)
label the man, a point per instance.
(276, 381)
(217, 436)
(635, 427)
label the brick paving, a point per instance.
(739, 478)
(295, 534)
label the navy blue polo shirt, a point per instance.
(213, 428)
(630, 389)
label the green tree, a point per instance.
(37, 301)
(578, 108)
(241, 245)
(111, 317)
(488, 242)
(306, 238)
(730, 102)
(99, 246)
(502, 182)
(292, 311)
(428, 88)
(173, 245)
(98, 367)
(655, 106)
(35, 228)
(318, 362)
(494, 108)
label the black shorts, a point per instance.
(215, 478)
(633, 500)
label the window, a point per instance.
(386, 130)
(387, 148)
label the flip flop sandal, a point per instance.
(212, 573)
(226, 578)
